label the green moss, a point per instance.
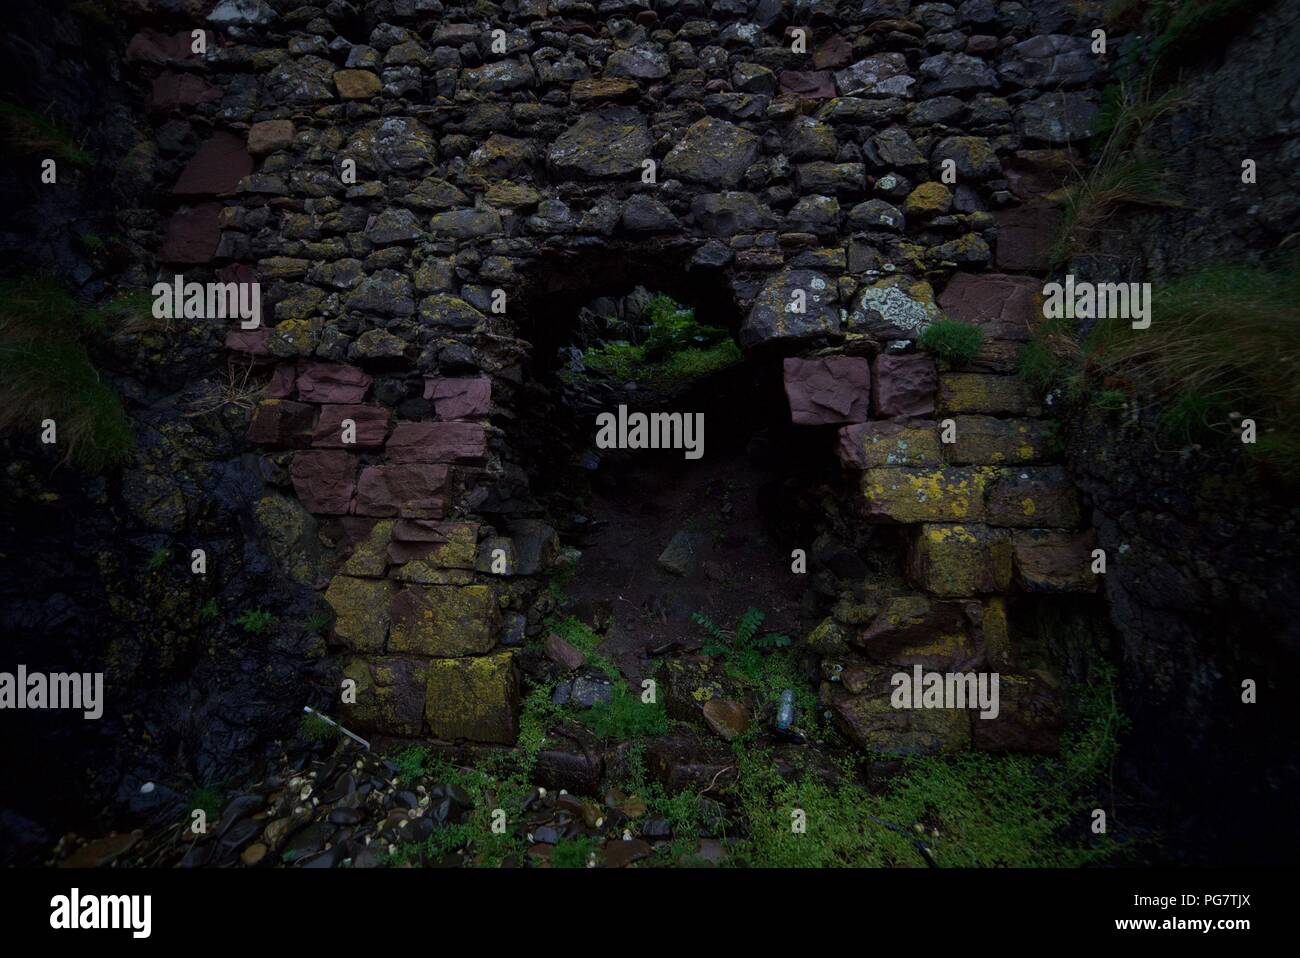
(158, 558)
(968, 809)
(574, 852)
(956, 341)
(625, 716)
(209, 799)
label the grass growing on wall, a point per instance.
(1223, 346)
(46, 373)
(33, 134)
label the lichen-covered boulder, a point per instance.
(361, 611)
(611, 142)
(894, 308)
(795, 306)
(474, 698)
(713, 152)
(444, 620)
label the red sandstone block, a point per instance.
(828, 390)
(415, 491)
(464, 442)
(371, 426)
(324, 481)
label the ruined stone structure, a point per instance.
(399, 175)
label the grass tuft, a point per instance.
(34, 134)
(46, 373)
(953, 340)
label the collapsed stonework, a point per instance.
(386, 171)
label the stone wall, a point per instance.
(675, 129)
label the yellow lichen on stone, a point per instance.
(474, 698)
(361, 611)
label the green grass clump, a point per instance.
(574, 852)
(256, 621)
(677, 349)
(317, 623)
(951, 339)
(1224, 344)
(46, 373)
(208, 798)
(158, 558)
(34, 134)
(625, 716)
(313, 728)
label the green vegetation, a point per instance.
(676, 350)
(158, 558)
(971, 809)
(313, 728)
(624, 716)
(46, 373)
(956, 341)
(574, 852)
(256, 621)
(1224, 345)
(1124, 171)
(210, 612)
(317, 623)
(34, 134)
(208, 798)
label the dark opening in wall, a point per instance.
(663, 536)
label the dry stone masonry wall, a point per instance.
(395, 174)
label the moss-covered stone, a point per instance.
(928, 199)
(390, 695)
(370, 557)
(873, 444)
(983, 440)
(874, 725)
(290, 532)
(917, 630)
(361, 611)
(984, 393)
(945, 494)
(1033, 497)
(444, 620)
(959, 560)
(474, 698)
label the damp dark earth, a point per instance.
(649, 433)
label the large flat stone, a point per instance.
(361, 615)
(324, 481)
(908, 494)
(390, 695)
(959, 560)
(871, 444)
(445, 621)
(985, 440)
(415, 491)
(987, 394)
(794, 306)
(713, 152)
(1033, 497)
(475, 698)
(1049, 561)
(828, 390)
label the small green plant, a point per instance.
(158, 558)
(953, 340)
(625, 716)
(317, 623)
(256, 621)
(677, 349)
(313, 728)
(412, 763)
(1110, 400)
(210, 611)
